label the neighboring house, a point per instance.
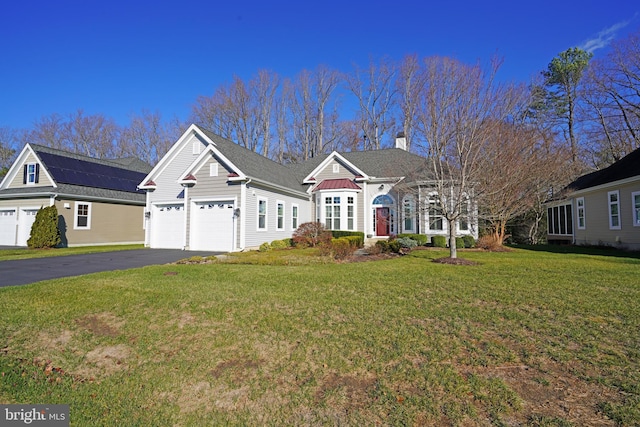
(97, 200)
(600, 208)
(208, 193)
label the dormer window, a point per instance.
(31, 173)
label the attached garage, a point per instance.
(212, 226)
(8, 221)
(168, 226)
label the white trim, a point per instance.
(16, 168)
(278, 203)
(75, 216)
(635, 211)
(266, 213)
(582, 209)
(296, 216)
(610, 204)
(214, 169)
(331, 157)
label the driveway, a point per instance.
(22, 272)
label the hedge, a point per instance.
(420, 239)
(439, 241)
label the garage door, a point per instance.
(167, 226)
(212, 226)
(8, 227)
(25, 221)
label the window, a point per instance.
(82, 220)
(580, 213)
(435, 214)
(614, 210)
(463, 220)
(336, 168)
(408, 212)
(31, 173)
(635, 205)
(294, 217)
(196, 146)
(560, 220)
(332, 212)
(280, 218)
(350, 213)
(262, 214)
(213, 169)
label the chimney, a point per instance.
(401, 141)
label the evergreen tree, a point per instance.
(44, 231)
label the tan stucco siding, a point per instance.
(597, 229)
(17, 181)
(110, 223)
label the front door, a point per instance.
(383, 224)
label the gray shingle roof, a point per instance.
(626, 167)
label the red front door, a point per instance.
(382, 222)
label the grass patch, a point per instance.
(519, 338)
(25, 253)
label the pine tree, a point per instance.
(45, 232)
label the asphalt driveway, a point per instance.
(22, 272)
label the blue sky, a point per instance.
(120, 57)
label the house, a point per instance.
(600, 208)
(208, 193)
(97, 200)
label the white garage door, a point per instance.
(8, 227)
(25, 221)
(167, 229)
(212, 226)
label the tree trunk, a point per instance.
(453, 250)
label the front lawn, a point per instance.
(521, 338)
(26, 253)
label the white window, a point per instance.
(350, 213)
(262, 214)
(408, 212)
(614, 210)
(280, 215)
(434, 212)
(635, 205)
(332, 212)
(580, 213)
(463, 220)
(82, 218)
(196, 146)
(336, 168)
(213, 169)
(31, 172)
(294, 217)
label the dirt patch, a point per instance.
(103, 324)
(104, 361)
(58, 341)
(454, 261)
(351, 390)
(239, 369)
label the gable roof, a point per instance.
(337, 184)
(627, 167)
(79, 175)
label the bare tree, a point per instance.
(146, 137)
(8, 148)
(410, 83)
(461, 104)
(375, 92)
(47, 131)
(94, 135)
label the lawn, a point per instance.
(522, 338)
(24, 253)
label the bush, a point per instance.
(395, 246)
(342, 248)
(488, 242)
(460, 243)
(280, 244)
(439, 241)
(265, 247)
(469, 241)
(383, 246)
(311, 234)
(44, 231)
(356, 241)
(407, 242)
(420, 239)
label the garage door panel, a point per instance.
(167, 226)
(8, 223)
(212, 225)
(25, 222)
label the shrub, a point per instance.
(280, 244)
(383, 245)
(407, 242)
(311, 234)
(356, 241)
(469, 241)
(439, 241)
(342, 248)
(460, 243)
(420, 239)
(265, 247)
(488, 242)
(44, 231)
(395, 246)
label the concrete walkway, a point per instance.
(22, 272)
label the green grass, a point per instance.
(523, 338)
(24, 253)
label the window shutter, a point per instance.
(24, 174)
(37, 172)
